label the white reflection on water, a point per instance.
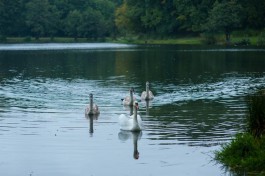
(226, 88)
(62, 46)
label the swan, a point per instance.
(128, 100)
(132, 122)
(92, 108)
(147, 95)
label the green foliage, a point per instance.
(256, 116)
(244, 153)
(72, 23)
(104, 18)
(151, 18)
(27, 39)
(10, 19)
(224, 17)
(41, 18)
(242, 42)
(261, 39)
(209, 39)
(2, 38)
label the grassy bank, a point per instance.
(184, 40)
(246, 152)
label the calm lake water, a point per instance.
(199, 105)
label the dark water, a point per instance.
(199, 104)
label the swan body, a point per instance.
(148, 94)
(128, 100)
(132, 122)
(92, 108)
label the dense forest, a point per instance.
(95, 19)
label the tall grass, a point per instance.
(244, 153)
(256, 115)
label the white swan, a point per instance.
(128, 100)
(92, 108)
(132, 122)
(147, 95)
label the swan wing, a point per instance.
(143, 95)
(125, 122)
(127, 100)
(140, 122)
(95, 109)
(151, 95)
(87, 109)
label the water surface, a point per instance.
(199, 104)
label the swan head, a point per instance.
(136, 155)
(91, 96)
(132, 90)
(136, 105)
(147, 83)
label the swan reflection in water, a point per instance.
(147, 104)
(91, 118)
(135, 136)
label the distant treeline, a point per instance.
(95, 19)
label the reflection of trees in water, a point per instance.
(181, 63)
(135, 136)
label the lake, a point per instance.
(200, 104)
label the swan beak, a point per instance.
(136, 105)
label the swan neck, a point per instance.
(147, 91)
(135, 140)
(135, 115)
(131, 97)
(91, 104)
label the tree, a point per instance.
(92, 24)
(72, 23)
(254, 13)
(224, 17)
(41, 18)
(10, 16)
(122, 20)
(152, 18)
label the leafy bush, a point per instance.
(27, 39)
(243, 42)
(245, 153)
(2, 38)
(209, 39)
(261, 39)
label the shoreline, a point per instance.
(134, 40)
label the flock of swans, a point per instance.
(127, 122)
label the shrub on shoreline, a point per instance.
(244, 154)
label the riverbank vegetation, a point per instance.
(246, 152)
(160, 21)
